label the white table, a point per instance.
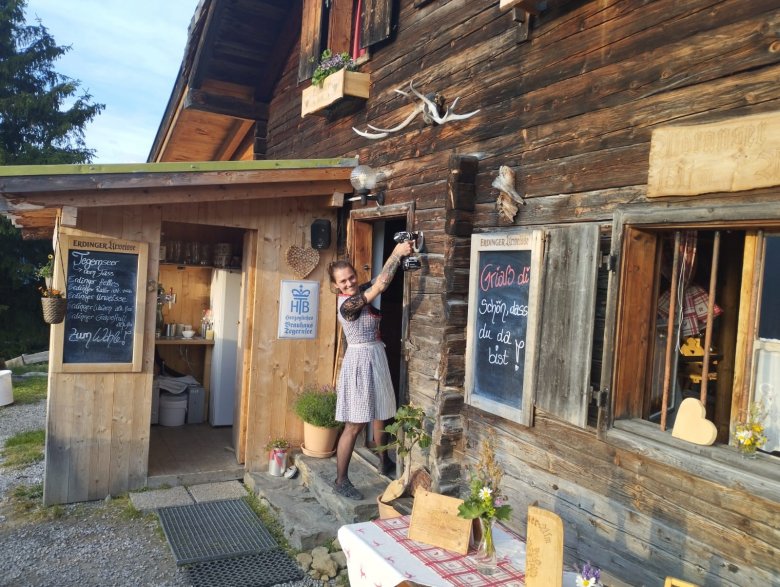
(379, 555)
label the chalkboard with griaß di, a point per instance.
(102, 288)
(501, 321)
(501, 334)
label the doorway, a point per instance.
(371, 242)
(196, 390)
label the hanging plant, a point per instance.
(54, 304)
(330, 63)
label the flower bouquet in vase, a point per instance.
(486, 504)
(749, 434)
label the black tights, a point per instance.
(347, 445)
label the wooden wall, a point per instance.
(97, 440)
(571, 110)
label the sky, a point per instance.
(126, 54)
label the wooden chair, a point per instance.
(672, 582)
(543, 549)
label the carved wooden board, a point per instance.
(435, 521)
(544, 549)
(692, 425)
(729, 156)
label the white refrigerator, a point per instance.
(225, 302)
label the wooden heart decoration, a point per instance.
(692, 425)
(302, 260)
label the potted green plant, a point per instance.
(407, 431)
(277, 456)
(53, 302)
(334, 79)
(316, 406)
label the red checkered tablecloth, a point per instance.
(379, 554)
(460, 570)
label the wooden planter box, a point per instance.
(335, 87)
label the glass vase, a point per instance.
(486, 559)
(747, 451)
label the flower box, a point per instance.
(336, 87)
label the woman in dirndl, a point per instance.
(365, 391)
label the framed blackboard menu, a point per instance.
(105, 288)
(502, 327)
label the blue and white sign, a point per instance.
(298, 309)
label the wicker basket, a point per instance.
(54, 309)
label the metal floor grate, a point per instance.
(214, 530)
(262, 569)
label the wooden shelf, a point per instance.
(177, 340)
(187, 265)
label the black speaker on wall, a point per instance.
(320, 234)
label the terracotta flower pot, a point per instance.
(318, 441)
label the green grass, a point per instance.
(36, 367)
(30, 390)
(23, 449)
(27, 502)
(270, 522)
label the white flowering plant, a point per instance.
(749, 434)
(589, 576)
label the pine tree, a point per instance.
(42, 120)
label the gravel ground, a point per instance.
(92, 543)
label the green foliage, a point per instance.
(277, 443)
(42, 120)
(316, 405)
(30, 390)
(485, 499)
(42, 115)
(408, 430)
(27, 500)
(330, 63)
(23, 449)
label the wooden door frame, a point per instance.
(360, 250)
(244, 353)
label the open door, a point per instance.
(370, 244)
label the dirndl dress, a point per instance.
(364, 388)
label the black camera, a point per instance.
(410, 263)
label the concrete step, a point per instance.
(306, 523)
(319, 474)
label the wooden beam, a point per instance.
(236, 135)
(180, 195)
(225, 105)
(212, 175)
(532, 6)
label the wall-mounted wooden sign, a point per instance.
(435, 521)
(502, 322)
(105, 286)
(727, 156)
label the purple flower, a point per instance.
(591, 572)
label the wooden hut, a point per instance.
(637, 133)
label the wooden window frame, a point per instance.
(374, 23)
(634, 242)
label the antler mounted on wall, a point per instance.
(431, 107)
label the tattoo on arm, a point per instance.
(388, 272)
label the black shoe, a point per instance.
(346, 489)
(386, 468)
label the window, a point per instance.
(342, 26)
(717, 281)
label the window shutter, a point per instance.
(571, 259)
(375, 21)
(311, 35)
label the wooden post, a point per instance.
(705, 369)
(670, 329)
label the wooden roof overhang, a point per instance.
(33, 196)
(235, 52)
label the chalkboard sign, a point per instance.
(501, 337)
(104, 285)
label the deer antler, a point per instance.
(427, 107)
